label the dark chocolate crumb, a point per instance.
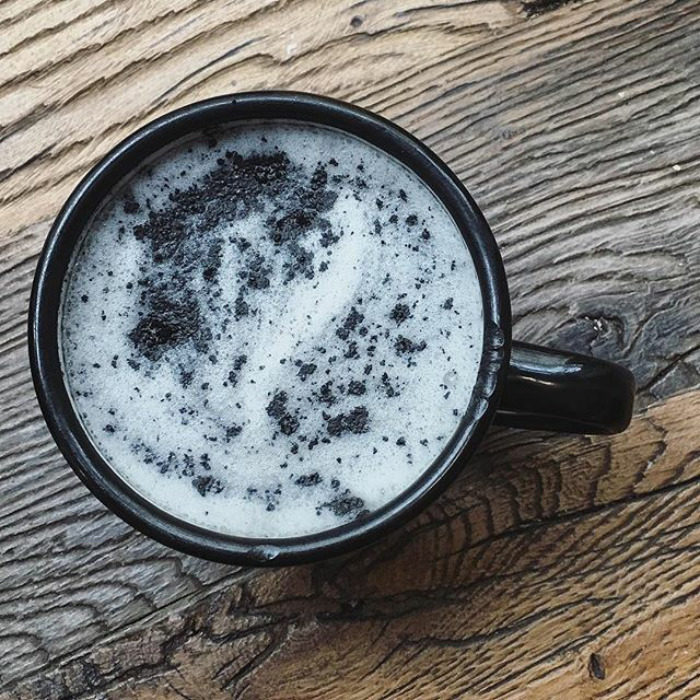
(325, 395)
(288, 424)
(405, 346)
(306, 480)
(232, 431)
(241, 307)
(351, 351)
(356, 388)
(278, 406)
(357, 421)
(400, 313)
(169, 323)
(207, 484)
(391, 391)
(353, 319)
(306, 370)
(346, 504)
(256, 273)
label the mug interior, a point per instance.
(66, 426)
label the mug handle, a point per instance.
(565, 392)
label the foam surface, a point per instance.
(272, 330)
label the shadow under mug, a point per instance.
(518, 385)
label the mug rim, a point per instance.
(67, 428)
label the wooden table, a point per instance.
(556, 567)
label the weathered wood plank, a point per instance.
(481, 595)
(618, 218)
(577, 133)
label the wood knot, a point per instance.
(539, 7)
(596, 668)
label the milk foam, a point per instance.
(271, 331)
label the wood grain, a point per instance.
(539, 574)
(561, 567)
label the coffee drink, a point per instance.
(271, 330)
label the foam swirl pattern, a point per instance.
(271, 330)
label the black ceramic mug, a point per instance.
(518, 385)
